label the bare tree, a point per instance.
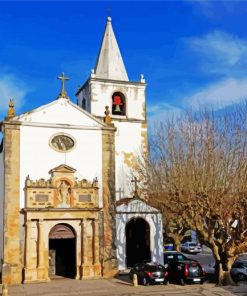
(196, 173)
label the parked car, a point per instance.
(182, 269)
(239, 270)
(150, 273)
(191, 247)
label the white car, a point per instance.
(191, 247)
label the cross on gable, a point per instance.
(63, 78)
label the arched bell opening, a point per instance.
(62, 251)
(118, 104)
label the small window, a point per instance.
(83, 104)
(118, 104)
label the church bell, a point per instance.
(117, 108)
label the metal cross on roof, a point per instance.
(120, 192)
(136, 186)
(63, 78)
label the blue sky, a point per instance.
(192, 53)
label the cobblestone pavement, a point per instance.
(117, 287)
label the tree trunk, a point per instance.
(224, 276)
(177, 243)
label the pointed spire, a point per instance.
(110, 63)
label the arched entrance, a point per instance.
(62, 251)
(137, 233)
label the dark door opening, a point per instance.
(62, 250)
(137, 234)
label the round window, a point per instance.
(62, 143)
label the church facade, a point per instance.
(70, 204)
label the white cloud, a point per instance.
(11, 87)
(160, 112)
(219, 95)
(220, 51)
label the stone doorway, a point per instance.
(62, 251)
(137, 233)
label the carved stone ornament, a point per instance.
(62, 142)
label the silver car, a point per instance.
(239, 270)
(191, 247)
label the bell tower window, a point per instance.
(83, 104)
(118, 104)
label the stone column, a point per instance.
(42, 268)
(81, 247)
(12, 218)
(41, 244)
(96, 247)
(30, 263)
(96, 241)
(84, 242)
(83, 255)
(110, 263)
(28, 260)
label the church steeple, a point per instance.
(110, 63)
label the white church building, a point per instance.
(69, 199)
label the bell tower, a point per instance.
(109, 85)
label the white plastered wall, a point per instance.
(128, 143)
(139, 209)
(37, 158)
(101, 95)
(128, 137)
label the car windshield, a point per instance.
(192, 244)
(154, 267)
(181, 257)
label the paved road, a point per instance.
(205, 257)
(120, 287)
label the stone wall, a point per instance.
(109, 258)
(12, 259)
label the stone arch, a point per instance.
(137, 234)
(118, 103)
(62, 251)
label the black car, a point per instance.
(182, 269)
(149, 273)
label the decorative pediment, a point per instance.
(60, 112)
(63, 168)
(62, 190)
(134, 205)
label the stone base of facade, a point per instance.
(11, 274)
(110, 269)
(42, 274)
(30, 275)
(90, 271)
(35, 275)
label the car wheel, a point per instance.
(166, 283)
(202, 282)
(241, 277)
(181, 281)
(145, 282)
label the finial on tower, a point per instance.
(142, 79)
(109, 19)
(11, 111)
(63, 93)
(107, 118)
